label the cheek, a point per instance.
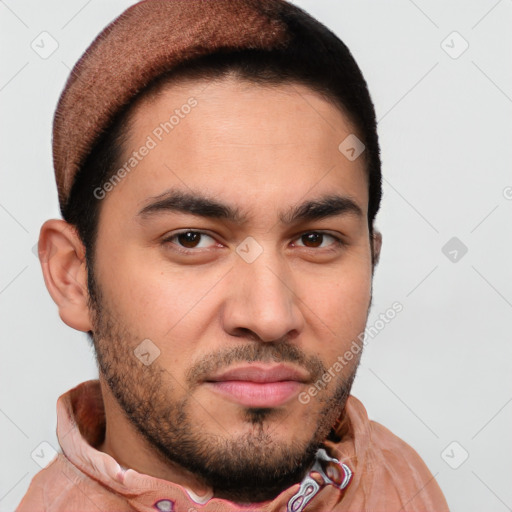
(341, 291)
(338, 306)
(349, 300)
(151, 297)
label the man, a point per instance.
(219, 175)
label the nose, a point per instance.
(262, 300)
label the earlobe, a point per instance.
(62, 257)
(376, 246)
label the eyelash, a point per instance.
(338, 242)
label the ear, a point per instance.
(376, 246)
(62, 257)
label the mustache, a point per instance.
(264, 352)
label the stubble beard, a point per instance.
(251, 467)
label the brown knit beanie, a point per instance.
(147, 40)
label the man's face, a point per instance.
(245, 312)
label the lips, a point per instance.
(258, 385)
(261, 373)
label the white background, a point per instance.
(440, 371)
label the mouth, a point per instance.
(258, 385)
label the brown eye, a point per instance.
(189, 239)
(315, 239)
(312, 239)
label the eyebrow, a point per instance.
(194, 203)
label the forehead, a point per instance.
(253, 143)
(224, 97)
